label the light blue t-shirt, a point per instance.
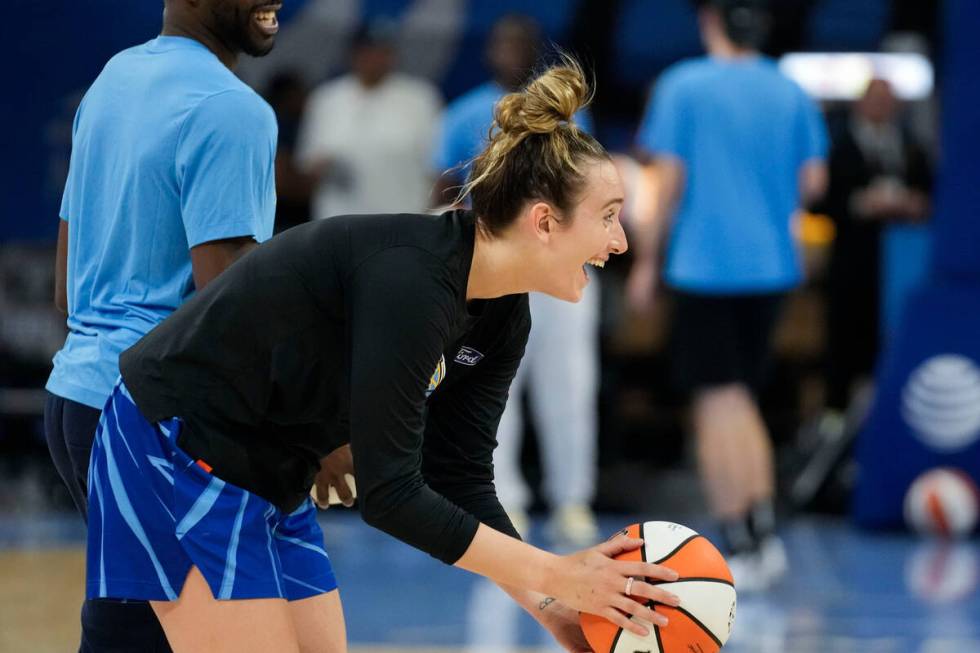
(466, 123)
(742, 131)
(169, 150)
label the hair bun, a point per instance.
(533, 152)
(548, 100)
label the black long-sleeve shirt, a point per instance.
(354, 329)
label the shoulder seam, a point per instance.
(180, 132)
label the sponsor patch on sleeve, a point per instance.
(468, 356)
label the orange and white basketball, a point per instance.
(942, 501)
(702, 622)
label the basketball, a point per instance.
(703, 621)
(943, 573)
(942, 501)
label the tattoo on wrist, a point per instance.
(545, 603)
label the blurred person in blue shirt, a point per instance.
(170, 181)
(512, 52)
(737, 149)
(560, 367)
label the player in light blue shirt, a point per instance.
(742, 132)
(738, 149)
(170, 151)
(171, 179)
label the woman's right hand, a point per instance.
(591, 581)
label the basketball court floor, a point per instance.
(847, 592)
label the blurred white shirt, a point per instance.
(378, 140)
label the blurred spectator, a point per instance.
(737, 147)
(560, 365)
(368, 135)
(511, 53)
(287, 94)
(878, 174)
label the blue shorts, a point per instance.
(154, 512)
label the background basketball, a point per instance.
(703, 621)
(942, 501)
(943, 572)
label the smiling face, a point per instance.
(248, 26)
(589, 236)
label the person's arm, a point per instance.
(226, 172)
(665, 137)
(813, 144)
(667, 174)
(458, 462)
(402, 309)
(461, 425)
(587, 581)
(389, 374)
(61, 254)
(814, 180)
(335, 468)
(210, 259)
(846, 174)
(557, 618)
(292, 183)
(61, 269)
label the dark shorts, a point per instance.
(722, 339)
(69, 428)
(107, 625)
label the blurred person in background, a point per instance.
(170, 181)
(737, 148)
(367, 136)
(879, 174)
(287, 94)
(560, 367)
(511, 53)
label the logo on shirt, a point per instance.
(468, 356)
(437, 376)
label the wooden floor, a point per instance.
(849, 591)
(40, 599)
(41, 593)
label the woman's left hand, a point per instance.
(335, 469)
(563, 623)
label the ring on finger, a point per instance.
(629, 585)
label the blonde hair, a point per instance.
(535, 151)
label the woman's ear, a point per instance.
(541, 218)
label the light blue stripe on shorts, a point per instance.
(154, 513)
